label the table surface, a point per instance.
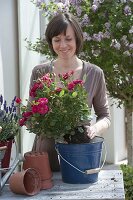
(109, 186)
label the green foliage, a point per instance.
(128, 180)
(108, 33)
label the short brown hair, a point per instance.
(58, 25)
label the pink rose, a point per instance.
(78, 82)
(43, 109)
(27, 114)
(22, 121)
(74, 83)
(47, 79)
(36, 86)
(34, 109)
(65, 76)
(18, 100)
(70, 86)
(43, 100)
(58, 89)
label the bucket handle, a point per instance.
(88, 171)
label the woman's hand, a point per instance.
(91, 131)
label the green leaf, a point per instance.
(74, 94)
(62, 93)
(68, 127)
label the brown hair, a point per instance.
(58, 25)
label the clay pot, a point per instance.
(40, 162)
(6, 159)
(26, 182)
(5, 162)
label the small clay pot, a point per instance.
(40, 162)
(26, 182)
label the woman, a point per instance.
(65, 39)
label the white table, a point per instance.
(109, 186)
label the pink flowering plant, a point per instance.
(55, 111)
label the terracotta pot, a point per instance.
(46, 184)
(26, 182)
(6, 159)
(40, 162)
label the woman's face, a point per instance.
(65, 45)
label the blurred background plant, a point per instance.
(128, 180)
(8, 120)
(108, 42)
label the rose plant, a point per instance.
(9, 126)
(55, 111)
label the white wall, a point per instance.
(29, 27)
(115, 137)
(9, 54)
(8, 49)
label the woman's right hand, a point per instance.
(91, 131)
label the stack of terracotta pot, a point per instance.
(40, 162)
(35, 176)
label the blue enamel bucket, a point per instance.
(81, 163)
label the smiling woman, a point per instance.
(65, 39)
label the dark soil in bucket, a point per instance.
(79, 137)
